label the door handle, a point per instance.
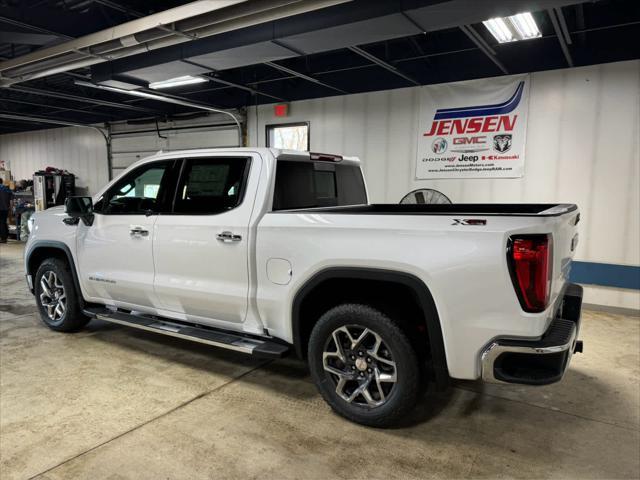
(228, 237)
(138, 232)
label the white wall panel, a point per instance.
(81, 151)
(583, 146)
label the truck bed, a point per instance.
(486, 209)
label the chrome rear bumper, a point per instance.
(537, 362)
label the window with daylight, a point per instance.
(211, 185)
(137, 192)
(289, 136)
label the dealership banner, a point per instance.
(473, 129)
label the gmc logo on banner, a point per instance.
(469, 140)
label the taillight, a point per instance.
(529, 258)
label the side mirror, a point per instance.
(79, 208)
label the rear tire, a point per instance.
(57, 298)
(373, 377)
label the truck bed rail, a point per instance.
(486, 209)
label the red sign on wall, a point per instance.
(281, 110)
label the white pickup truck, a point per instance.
(265, 251)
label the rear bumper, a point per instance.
(537, 362)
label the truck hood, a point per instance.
(59, 210)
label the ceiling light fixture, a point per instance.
(511, 29)
(176, 82)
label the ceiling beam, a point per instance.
(57, 108)
(33, 28)
(21, 38)
(560, 35)
(484, 47)
(198, 19)
(253, 91)
(580, 24)
(76, 98)
(52, 121)
(563, 25)
(121, 8)
(383, 64)
(136, 14)
(302, 76)
(214, 78)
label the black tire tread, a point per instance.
(404, 399)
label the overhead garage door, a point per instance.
(131, 142)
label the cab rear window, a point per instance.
(308, 184)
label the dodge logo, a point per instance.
(502, 143)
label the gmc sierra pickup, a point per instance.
(265, 251)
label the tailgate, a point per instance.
(565, 241)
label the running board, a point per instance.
(230, 341)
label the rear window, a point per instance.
(317, 184)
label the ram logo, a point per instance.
(502, 143)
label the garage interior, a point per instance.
(88, 87)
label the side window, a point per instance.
(317, 184)
(211, 185)
(138, 192)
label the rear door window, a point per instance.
(211, 185)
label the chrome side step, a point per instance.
(217, 338)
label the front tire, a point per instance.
(364, 365)
(57, 298)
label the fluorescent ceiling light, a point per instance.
(176, 82)
(516, 27)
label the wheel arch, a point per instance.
(381, 277)
(43, 249)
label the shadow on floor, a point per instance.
(290, 376)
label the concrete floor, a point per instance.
(111, 402)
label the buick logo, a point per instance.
(502, 143)
(439, 145)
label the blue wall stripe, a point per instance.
(606, 274)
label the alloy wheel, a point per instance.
(361, 365)
(53, 297)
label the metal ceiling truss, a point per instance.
(76, 98)
(57, 108)
(484, 47)
(52, 121)
(557, 20)
(308, 78)
(188, 22)
(383, 64)
(33, 28)
(214, 77)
